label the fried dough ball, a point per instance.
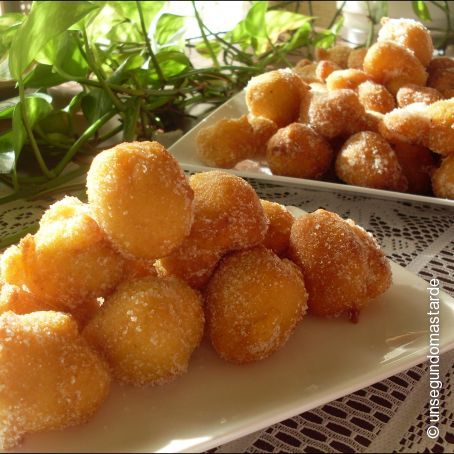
(21, 301)
(253, 302)
(409, 94)
(375, 97)
(343, 266)
(443, 81)
(298, 151)
(226, 142)
(417, 164)
(410, 34)
(337, 54)
(373, 120)
(227, 216)
(263, 129)
(49, 377)
(140, 197)
(148, 329)
(334, 113)
(138, 268)
(356, 58)
(440, 63)
(325, 68)
(307, 72)
(346, 78)
(393, 65)
(68, 261)
(443, 179)
(276, 95)
(407, 124)
(280, 224)
(441, 131)
(367, 160)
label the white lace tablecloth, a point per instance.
(389, 416)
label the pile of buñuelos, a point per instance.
(381, 117)
(126, 285)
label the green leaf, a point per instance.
(239, 35)
(125, 31)
(47, 20)
(37, 108)
(128, 10)
(42, 76)
(421, 10)
(299, 39)
(168, 27)
(57, 121)
(378, 10)
(10, 19)
(95, 104)
(7, 106)
(279, 21)
(65, 56)
(7, 157)
(201, 48)
(255, 20)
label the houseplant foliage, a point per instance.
(132, 64)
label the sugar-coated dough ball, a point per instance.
(227, 216)
(346, 78)
(393, 65)
(307, 71)
(148, 329)
(141, 198)
(440, 63)
(226, 142)
(441, 130)
(21, 301)
(50, 378)
(68, 261)
(408, 33)
(325, 68)
(280, 224)
(356, 58)
(375, 97)
(298, 151)
(343, 266)
(443, 179)
(263, 129)
(253, 302)
(337, 54)
(333, 113)
(417, 164)
(443, 81)
(367, 160)
(409, 94)
(276, 95)
(407, 124)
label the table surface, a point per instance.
(389, 416)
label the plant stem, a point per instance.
(339, 12)
(92, 64)
(148, 43)
(204, 36)
(28, 128)
(88, 133)
(370, 36)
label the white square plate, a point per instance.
(216, 402)
(185, 148)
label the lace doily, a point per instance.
(389, 416)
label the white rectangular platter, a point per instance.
(216, 402)
(185, 151)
